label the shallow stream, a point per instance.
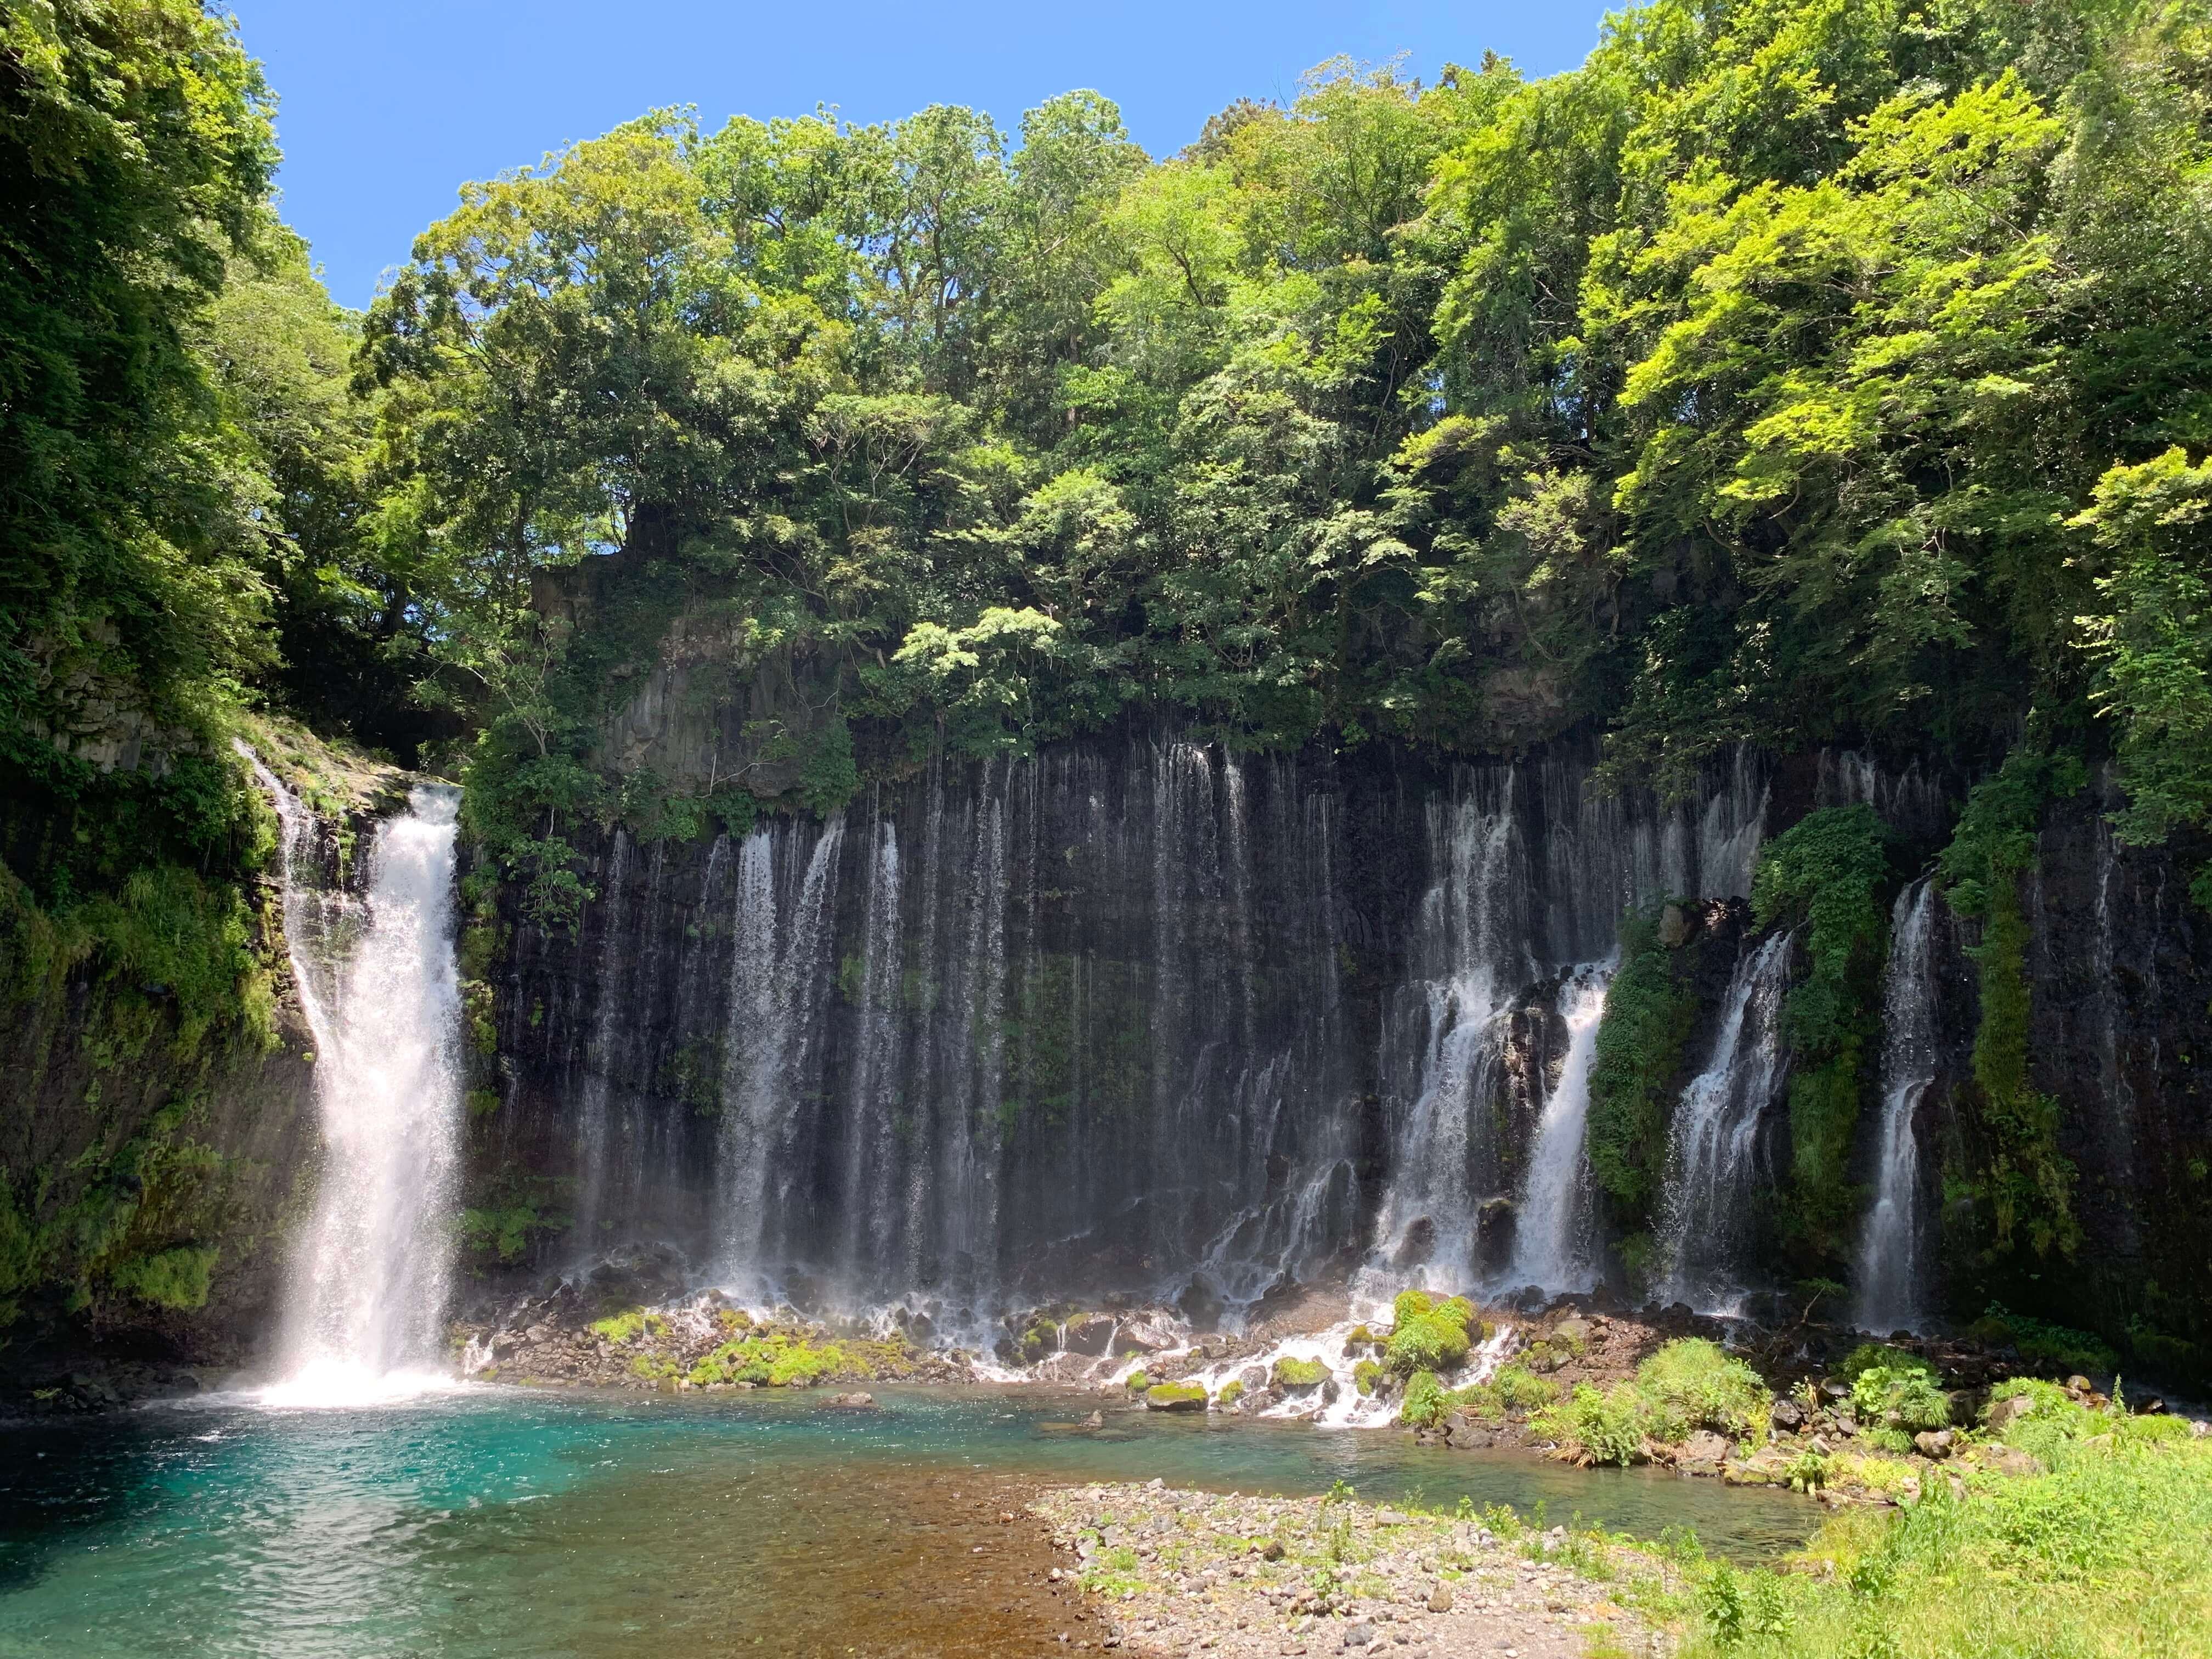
(495, 1520)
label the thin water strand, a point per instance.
(1715, 1133)
(1889, 1243)
(1549, 1247)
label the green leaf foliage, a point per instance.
(1636, 1069)
(1828, 872)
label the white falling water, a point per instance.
(378, 983)
(1888, 1264)
(773, 978)
(599, 1062)
(869, 1131)
(1473, 957)
(1550, 1249)
(1716, 1131)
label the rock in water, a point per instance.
(855, 1401)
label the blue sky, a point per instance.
(386, 108)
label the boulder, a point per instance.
(1788, 1415)
(2005, 1460)
(1703, 1453)
(1932, 1443)
(1174, 1397)
(2009, 1411)
(1090, 1334)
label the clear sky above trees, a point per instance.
(387, 107)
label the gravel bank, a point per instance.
(1181, 1572)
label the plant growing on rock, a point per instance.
(1426, 1403)
(1429, 1335)
(1687, 1385)
(1293, 1373)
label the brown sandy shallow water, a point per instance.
(882, 1560)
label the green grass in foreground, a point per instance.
(2109, 1554)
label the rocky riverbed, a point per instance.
(1181, 1572)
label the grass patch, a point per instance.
(2107, 1556)
(630, 1325)
(783, 1359)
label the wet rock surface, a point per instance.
(1181, 1572)
(570, 1337)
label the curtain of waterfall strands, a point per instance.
(619, 943)
(1531, 872)
(1890, 1238)
(1077, 1024)
(372, 1269)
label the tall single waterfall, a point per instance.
(1889, 1243)
(781, 930)
(1710, 1149)
(1550, 1247)
(373, 1268)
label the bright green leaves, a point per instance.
(2152, 637)
(1850, 363)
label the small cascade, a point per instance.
(1889, 1244)
(1336, 1403)
(1551, 1248)
(1716, 1131)
(377, 982)
(2116, 1088)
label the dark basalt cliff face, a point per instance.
(157, 1179)
(1141, 1017)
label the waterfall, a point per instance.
(873, 1087)
(1716, 1131)
(1550, 1249)
(615, 947)
(1889, 1245)
(1471, 955)
(780, 942)
(378, 983)
(1145, 1019)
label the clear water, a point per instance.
(496, 1522)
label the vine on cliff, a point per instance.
(2026, 1181)
(1827, 871)
(1648, 1013)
